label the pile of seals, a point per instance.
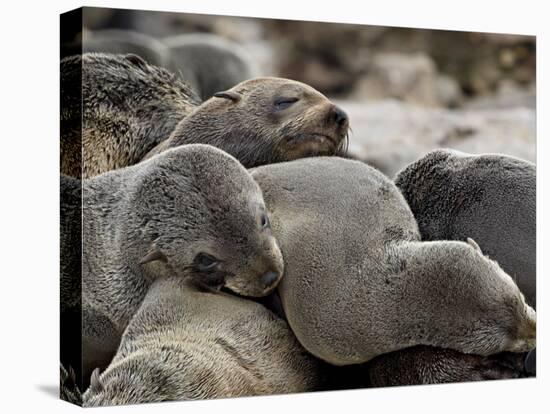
(230, 249)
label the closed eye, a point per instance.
(264, 221)
(205, 262)
(283, 103)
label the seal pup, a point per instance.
(186, 344)
(114, 109)
(191, 210)
(490, 198)
(358, 280)
(209, 63)
(265, 121)
(128, 107)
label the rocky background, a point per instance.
(407, 91)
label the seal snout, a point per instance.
(268, 279)
(339, 116)
(526, 335)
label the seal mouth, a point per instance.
(315, 137)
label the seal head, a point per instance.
(265, 120)
(218, 230)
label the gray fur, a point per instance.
(130, 110)
(68, 388)
(490, 198)
(119, 41)
(359, 282)
(71, 283)
(187, 344)
(209, 63)
(245, 124)
(189, 200)
(128, 107)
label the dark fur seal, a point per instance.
(490, 198)
(114, 109)
(455, 195)
(186, 344)
(359, 282)
(191, 210)
(128, 107)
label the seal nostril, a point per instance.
(339, 116)
(269, 278)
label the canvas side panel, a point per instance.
(71, 207)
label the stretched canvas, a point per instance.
(258, 206)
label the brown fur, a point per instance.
(246, 123)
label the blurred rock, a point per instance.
(478, 62)
(412, 78)
(448, 91)
(331, 57)
(391, 134)
(509, 95)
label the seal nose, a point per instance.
(268, 279)
(338, 115)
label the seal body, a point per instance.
(264, 121)
(193, 210)
(129, 111)
(117, 41)
(127, 107)
(490, 198)
(186, 344)
(209, 63)
(359, 282)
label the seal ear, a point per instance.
(136, 60)
(153, 254)
(231, 95)
(472, 243)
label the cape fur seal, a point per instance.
(114, 109)
(265, 120)
(187, 344)
(193, 210)
(359, 282)
(209, 63)
(490, 198)
(129, 106)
